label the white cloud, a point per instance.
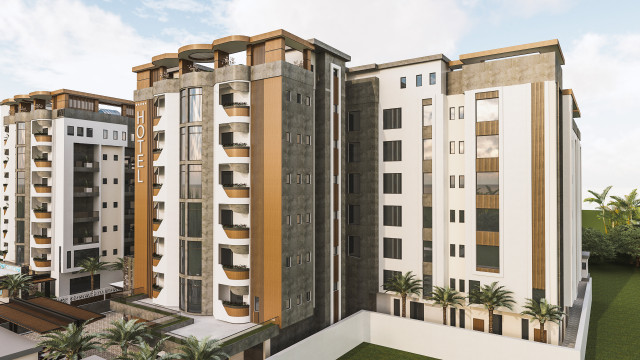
(603, 71)
(162, 10)
(529, 8)
(48, 45)
(370, 31)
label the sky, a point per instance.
(91, 45)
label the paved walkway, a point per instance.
(575, 311)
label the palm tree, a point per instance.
(70, 343)
(93, 265)
(543, 312)
(15, 283)
(600, 200)
(492, 297)
(628, 205)
(146, 352)
(118, 264)
(124, 334)
(203, 349)
(446, 297)
(403, 285)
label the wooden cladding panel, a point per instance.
(487, 95)
(488, 238)
(274, 50)
(537, 185)
(336, 127)
(427, 234)
(336, 306)
(336, 91)
(427, 166)
(336, 162)
(144, 79)
(427, 102)
(487, 269)
(487, 202)
(427, 200)
(336, 268)
(427, 132)
(488, 128)
(487, 165)
(336, 232)
(336, 197)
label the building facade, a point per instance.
(238, 175)
(464, 172)
(67, 184)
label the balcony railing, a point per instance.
(156, 224)
(85, 216)
(42, 189)
(42, 239)
(42, 263)
(236, 231)
(42, 163)
(87, 239)
(236, 149)
(86, 166)
(236, 190)
(85, 191)
(42, 214)
(238, 272)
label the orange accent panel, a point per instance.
(336, 232)
(237, 233)
(336, 162)
(237, 111)
(489, 238)
(237, 274)
(237, 192)
(237, 152)
(236, 311)
(537, 185)
(336, 127)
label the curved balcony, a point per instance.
(42, 163)
(156, 224)
(156, 189)
(237, 272)
(237, 150)
(236, 231)
(236, 190)
(42, 240)
(156, 291)
(4, 233)
(43, 139)
(236, 310)
(42, 189)
(156, 259)
(4, 163)
(42, 264)
(237, 109)
(156, 154)
(4, 210)
(156, 120)
(42, 214)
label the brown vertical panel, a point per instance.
(143, 233)
(336, 196)
(257, 55)
(487, 201)
(336, 127)
(488, 238)
(257, 199)
(274, 50)
(336, 309)
(487, 128)
(336, 91)
(336, 162)
(487, 95)
(537, 188)
(487, 165)
(336, 268)
(336, 232)
(427, 132)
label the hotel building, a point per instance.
(238, 178)
(67, 185)
(464, 172)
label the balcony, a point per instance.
(85, 191)
(42, 162)
(156, 189)
(4, 210)
(42, 189)
(237, 272)
(86, 239)
(236, 109)
(86, 166)
(43, 138)
(156, 259)
(85, 216)
(156, 224)
(156, 121)
(5, 162)
(129, 190)
(42, 263)
(236, 150)
(42, 240)
(236, 190)
(236, 231)
(42, 213)
(236, 309)
(156, 153)
(129, 213)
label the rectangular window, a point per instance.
(298, 219)
(20, 206)
(182, 219)
(460, 147)
(68, 259)
(195, 142)
(427, 251)
(460, 112)
(182, 254)
(70, 130)
(403, 82)
(462, 316)
(427, 183)
(427, 149)
(460, 216)
(487, 183)
(90, 132)
(474, 286)
(461, 181)
(452, 181)
(452, 147)
(353, 183)
(388, 275)
(21, 157)
(195, 105)
(298, 178)
(183, 181)
(104, 156)
(307, 101)
(115, 181)
(115, 227)
(307, 179)
(427, 284)
(194, 296)
(124, 135)
(194, 258)
(416, 310)
(354, 214)
(115, 157)
(20, 231)
(461, 285)
(392, 150)
(452, 283)
(461, 251)
(452, 113)
(115, 135)
(182, 294)
(452, 216)
(105, 134)
(427, 217)
(392, 215)
(353, 152)
(392, 248)
(307, 139)
(287, 137)
(392, 118)
(256, 304)
(488, 220)
(487, 110)
(299, 139)
(488, 256)
(432, 78)
(525, 329)
(80, 131)
(20, 187)
(184, 144)
(419, 80)
(195, 181)
(299, 98)
(353, 246)
(487, 146)
(288, 95)
(194, 219)
(427, 115)
(308, 295)
(353, 123)
(452, 316)
(115, 204)
(21, 133)
(392, 183)
(452, 250)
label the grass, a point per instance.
(590, 219)
(614, 328)
(367, 351)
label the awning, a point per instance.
(43, 314)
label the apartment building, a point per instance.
(238, 174)
(464, 172)
(67, 184)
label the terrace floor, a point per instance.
(367, 351)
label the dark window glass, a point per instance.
(452, 283)
(497, 324)
(392, 118)
(488, 220)
(427, 219)
(452, 250)
(462, 316)
(299, 98)
(183, 181)
(427, 285)
(20, 187)
(194, 296)
(354, 246)
(80, 255)
(353, 152)
(68, 259)
(427, 183)
(194, 258)
(487, 110)
(387, 275)
(19, 254)
(83, 284)
(20, 231)
(419, 80)
(354, 214)
(452, 216)
(403, 82)
(194, 219)
(487, 183)
(525, 329)
(488, 256)
(432, 78)
(474, 285)
(461, 216)
(195, 181)
(182, 219)
(89, 132)
(487, 146)
(416, 310)
(392, 183)
(392, 215)
(392, 248)
(461, 286)
(427, 251)
(80, 131)
(70, 130)
(182, 294)
(354, 183)
(20, 206)
(392, 150)
(461, 251)
(182, 256)
(452, 316)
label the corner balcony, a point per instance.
(156, 153)
(42, 163)
(236, 150)
(156, 224)
(236, 190)
(236, 309)
(43, 138)
(42, 239)
(85, 191)
(237, 109)
(42, 189)
(156, 258)
(237, 272)
(41, 213)
(86, 239)
(156, 189)
(86, 166)
(42, 264)
(236, 231)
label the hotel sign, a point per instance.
(140, 139)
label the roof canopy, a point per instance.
(43, 315)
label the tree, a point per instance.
(70, 343)
(601, 201)
(93, 265)
(125, 333)
(15, 283)
(492, 297)
(627, 205)
(203, 349)
(600, 245)
(627, 241)
(446, 297)
(543, 312)
(403, 285)
(117, 265)
(146, 352)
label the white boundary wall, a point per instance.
(429, 339)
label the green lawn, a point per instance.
(590, 219)
(367, 351)
(614, 329)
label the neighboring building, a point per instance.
(238, 177)
(17, 347)
(464, 172)
(67, 186)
